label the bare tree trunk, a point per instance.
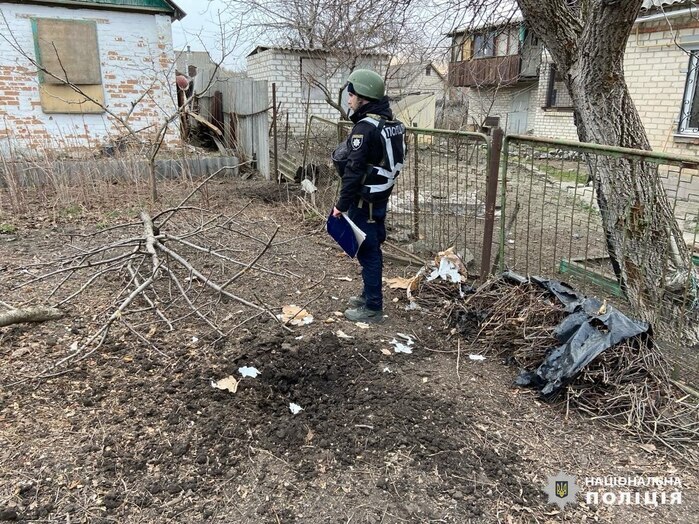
(645, 244)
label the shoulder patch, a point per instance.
(357, 141)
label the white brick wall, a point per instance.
(656, 73)
(283, 67)
(136, 58)
(551, 123)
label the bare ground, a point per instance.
(136, 432)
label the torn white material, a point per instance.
(308, 186)
(412, 306)
(476, 357)
(387, 370)
(399, 347)
(246, 371)
(342, 334)
(295, 408)
(447, 271)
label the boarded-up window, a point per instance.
(312, 76)
(68, 53)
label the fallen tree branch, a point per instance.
(30, 314)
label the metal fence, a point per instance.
(548, 220)
(553, 227)
(441, 198)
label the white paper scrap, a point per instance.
(476, 357)
(295, 408)
(248, 371)
(447, 271)
(399, 347)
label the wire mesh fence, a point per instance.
(553, 226)
(439, 199)
(548, 221)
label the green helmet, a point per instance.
(367, 84)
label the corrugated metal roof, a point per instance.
(261, 48)
(157, 6)
(504, 13)
(507, 12)
(655, 4)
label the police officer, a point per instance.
(375, 154)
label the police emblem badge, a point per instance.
(357, 141)
(561, 489)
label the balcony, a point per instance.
(498, 70)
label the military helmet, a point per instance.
(367, 84)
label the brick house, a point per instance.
(292, 70)
(516, 85)
(118, 52)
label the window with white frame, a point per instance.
(689, 114)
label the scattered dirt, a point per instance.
(136, 432)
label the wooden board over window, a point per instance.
(68, 49)
(65, 99)
(68, 53)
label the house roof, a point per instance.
(262, 48)
(655, 4)
(142, 6)
(507, 12)
(504, 13)
(404, 74)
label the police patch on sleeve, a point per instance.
(357, 141)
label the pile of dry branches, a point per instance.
(176, 268)
(627, 386)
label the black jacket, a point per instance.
(366, 148)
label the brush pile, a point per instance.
(626, 385)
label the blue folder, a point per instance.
(345, 233)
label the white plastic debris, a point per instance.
(308, 186)
(362, 325)
(400, 347)
(476, 357)
(342, 334)
(447, 271)
(295, 408)
(387, 370)
(412, 306)
(246, 371)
